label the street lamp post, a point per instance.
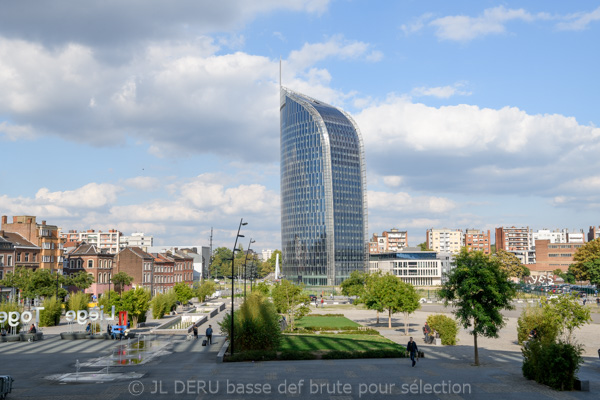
(233, 279)
(245, 262)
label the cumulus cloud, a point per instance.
(479, 150)
(393, 180)
(92, 195)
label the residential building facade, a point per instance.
(476, 240)
(593, 233)
(323, 192)
(42, 235)
(137, 239)
(444, 240)
(518, 241)
(97, 263)
(138, 264)
(110, 241)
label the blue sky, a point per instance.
(162, 117)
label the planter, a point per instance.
(31, 337)
(11, 338)
(101, 336)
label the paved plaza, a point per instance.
(190, 371)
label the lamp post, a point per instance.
(245, 262)
(57, 273)
(233, 278)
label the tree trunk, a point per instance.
(390, 318)
(406, 324)
(377, 316)
(476, 350)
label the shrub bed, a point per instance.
(445, 326)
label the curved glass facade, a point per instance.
(323, 192)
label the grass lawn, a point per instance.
(310, 342)
(328, 322)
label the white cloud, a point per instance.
(393, 180)
(92, 195)
(492, 21)
(469, 130)
(16, 132)
(405, 203)
(441, 92)
(146, 183)
(579, 21)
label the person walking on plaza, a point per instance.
(209, 332)
(195, 329)
(412, 348)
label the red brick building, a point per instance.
(97, 263)
(551, 256)
(42, 235)
(138, 264)
(476, 240)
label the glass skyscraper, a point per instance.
(323, 192)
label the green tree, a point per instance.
(184, 292)
(423, 246)
(393, 295)
(370, 296)
(137, 303)
(479, 289)
(221, 264)
(593, 271)
(50, 315)
(585, 255)
(81, 280)
(290, 299)
(510, 264)
(120, 280)
(78, 301)
(262, 288)
(354, 285)
(207, 288)
(31, 284)
(409, 302)
(268, 266)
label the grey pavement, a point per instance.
(190, 371)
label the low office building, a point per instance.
(551, 256)
(419, 268)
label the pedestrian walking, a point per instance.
(209, 332)
(322, 301)
(195, 330)
(412, 348)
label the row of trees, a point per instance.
(44, 283)
(221, 263)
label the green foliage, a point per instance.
(592, 269)
(183, 291)
(445, 326)
(50, 315)
(137, 303)
(263, 288)
(81, 280)
(268, 266)
(354, 285)
(568, 315)
(221, 263)
(109, 299)
(479, 290)
(510, 264)
(423, 246)
(388, 292)
(38, 283)
(7, 307)
(256, 325)
(553, 364)
(207, 288)
(290, 299)
(296, 355)
(584, 259)
(120, 280)
(539, 318)
(163, 303)
(340, 354)
(78, 301)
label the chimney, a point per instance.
(43, 222)
(4, 220)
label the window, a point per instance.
(26, 257)
(90, 263)
(1, 260)
(18, 257)
(9, 261)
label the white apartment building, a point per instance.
(111, 240)
(137, 239)
(445, 240)
(266, 254)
